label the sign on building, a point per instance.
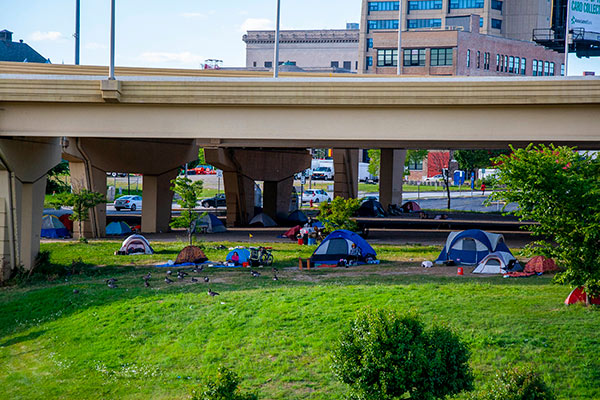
(584, 14)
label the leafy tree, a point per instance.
(189, 192)
(374, 161)
(223, 387)
(560, 189)
(57, 200)
(412, 157)
(201, 158)
(338, 214)
(385, 355)
(82, 200)
(471, 160)
(55, 184)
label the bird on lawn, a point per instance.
(206, 279)
(112, 285)
(194, 279)
(111, 280)
(198, 269)
(169, 272)
(147, 277)
(275, 270)
(75, 291)
(146, 284)
(275, 278)
(254, 273)
(181, 274)
(167, 280)
(211, 293)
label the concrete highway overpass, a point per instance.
(255, 128)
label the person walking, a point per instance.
(483, 189)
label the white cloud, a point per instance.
(183, 58)
(38, 36)
(193, 15)
(95, 46)
(257, 24)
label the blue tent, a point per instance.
(244, 255)
(52, 228)
(471, 246)
(338, 244)
(118, 228)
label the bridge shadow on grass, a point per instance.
(22, 338)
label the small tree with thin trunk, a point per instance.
(82, 200)
(189, 192)
(441, 160)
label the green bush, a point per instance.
(224, 386)
(517, 384)
(338, 214)
(386, 355)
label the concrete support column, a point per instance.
(277, 197)
(239, 191)
(391, 175)
(84, 176)
(24, 163)
(345, 164)
(156, 202)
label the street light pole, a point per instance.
(111, 72)
(567, 39)
(77, 29)
(276, 56)
(399, 37)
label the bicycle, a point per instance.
(261, 256)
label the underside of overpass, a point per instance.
(254, 128)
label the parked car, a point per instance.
(324, 173)
(132, 203)
(316, 195)
(217, 201)
(436, 178)
(115, 174)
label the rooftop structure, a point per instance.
(17, 51)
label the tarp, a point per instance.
(135, 244)
(292, 233)
(471, 247)
(263, 219)
(371, 208)
(52, 228)
(244, 255)
(118, 228)
(338, 244)
(498, 262)
(211, 223)
(538, 265)
(411, 206)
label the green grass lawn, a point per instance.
(134, 342)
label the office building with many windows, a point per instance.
(456, 37)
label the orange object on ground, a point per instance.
(460, 271)
(538, 265)
(578, 295)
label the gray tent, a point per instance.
(263, 219)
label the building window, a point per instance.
(478, 59)
(546, 68)
(440, 57)
(384, 6)
(551, 69)
(425, 5)
(468, 58)
(387, 57)
(496, 23)
(254, 64)
(505, 63)
(424, 23)
(481, 22)
(486, 61)
(540, 68)
(356, 65)
(369, 62)
(335, 64)
(511, 64)
(497, 5)
(348, 65)
(534, 68)
(562, 69)
(455, 4)
(415, 165)
(523, 66)
(369, 43)
(378, 24)
(414, 57)
(517, 63)
(268, 64)
(497, 62)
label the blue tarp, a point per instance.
(471, 246)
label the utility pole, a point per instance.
(399, 37)
(111, 70)
(567, 39)
(276, 57)
(77, 29)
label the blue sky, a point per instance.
(175, 33)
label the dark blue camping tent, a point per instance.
(244, 255)
(118, 228)
(338, 244)
(471, 246)
(53, 228)
(297, 218)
